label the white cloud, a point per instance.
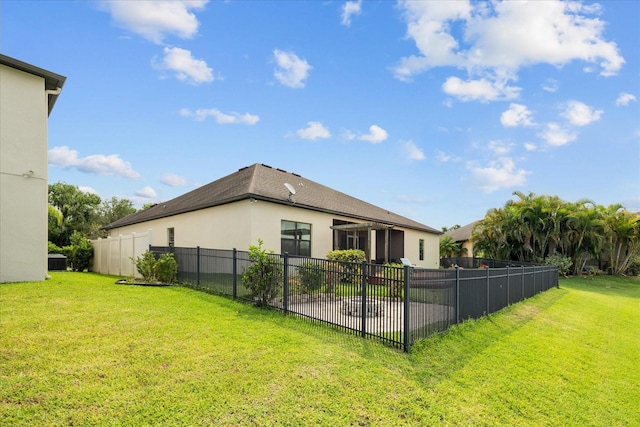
(186, 67)
(222, 118)
(551, 85)
(173, 180)
(428, 25)
(516, 115)
(482, 90)
(98, 164)
(350, 9)
(443, 157)
(413, 151)
(499, 148)
(154, 19)
(376, 135)
(313, 131)
(89, 190)
(292, 71)
(580, 114)
(556, 136)
(500, 173)
(146, 192)
(530, 146)
(624, 99)
(493, 40)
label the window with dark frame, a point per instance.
(421, 249)
(171, 236)
(295, 238)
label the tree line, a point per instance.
(72, 210)
(536, 227)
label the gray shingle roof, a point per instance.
(262, 182)
(463, 233)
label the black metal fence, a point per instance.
(396, 305)
(469, 262)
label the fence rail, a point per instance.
(396, 305)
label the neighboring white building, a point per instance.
(27, 96)
(254, 203)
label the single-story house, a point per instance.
(27, 96)
(290, 213)
(463, 236)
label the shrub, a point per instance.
(163, 270)
(563, 263)
(347, 255)
(349, 260)
(52, 248)
(146, 266)
(79, 253)
(166, 268)
(311, 277)
(634, 266)
(264, 277)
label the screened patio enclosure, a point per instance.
(389, 243)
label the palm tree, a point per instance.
(449, 248)
(622, 237)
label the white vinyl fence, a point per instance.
(113, 255)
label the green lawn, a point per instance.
(80, 350)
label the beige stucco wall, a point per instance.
(468, 245)
(431, 248)
(23, 195)
(240, 224)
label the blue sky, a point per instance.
(438, 111)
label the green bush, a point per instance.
(349, 260)
(166, 268)
(163, 270)
(634, 266)
(347, 255)
(563, 263)
(265, 276)
(311, 276)
(80, 253)
(146, 266)
(52, 248)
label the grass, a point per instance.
(80, 350)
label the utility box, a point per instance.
(57, 262)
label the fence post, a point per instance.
(535, 273)
(285, 297)
(457, 295)
(407, 298)
(363, 286)
(133, 251)
(234, 292)
(508, 286)
(488, 280)
(198, 265)
(522, 282)
(119, 254)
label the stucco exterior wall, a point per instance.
(23, 176)
(240, 224)
(431, 248)
(468, 245)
